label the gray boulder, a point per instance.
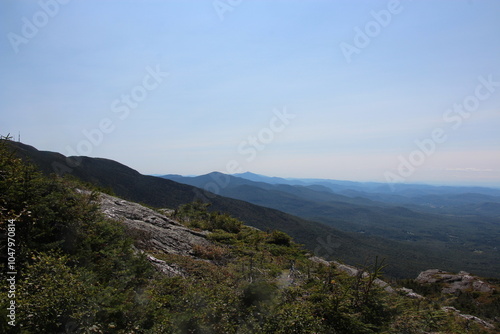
(452, 283)
(152, 230)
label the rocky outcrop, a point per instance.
(463, 281)
(410, 293)
(170, 270)
(151, 229)
(353, 271)
(468, 317)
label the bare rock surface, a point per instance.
(170, 270)
(469, 317)
(353, 271)
(453, 282)
(410, 293)
(152, 230)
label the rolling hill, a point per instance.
(456, 230)
(406, 259)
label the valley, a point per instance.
(454, 223)
(92, 261)
(319, 214)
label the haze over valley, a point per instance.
(244, 167)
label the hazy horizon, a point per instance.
(435, 184)
(372, 91)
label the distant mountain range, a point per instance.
(424, 198)
(433, 199)
(454, 223)
(414, 227)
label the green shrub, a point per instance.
(222, 237)
(279, 238)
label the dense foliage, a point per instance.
(485, 305)
(450, 232)
(410, 241)
(74, 268)
(79, 273)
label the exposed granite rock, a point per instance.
(453, 282)
(152, 230)
(353, 271)
(469, 317)
(170, 270)
(410, 293)
(319, 260)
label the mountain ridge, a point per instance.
(353, 248)
(453, 231)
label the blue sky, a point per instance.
(191, 87)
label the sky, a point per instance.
(388, 91)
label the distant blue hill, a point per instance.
(442, 220)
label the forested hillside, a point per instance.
(405, 259)
(451, 227)
(79, 271)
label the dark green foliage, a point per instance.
(162, 193)
(279, 238)
(485, 305)
(52, 295)
(79, 273)
(271, 287)
(411, 241)
(196, 215)
(257, 293)
(439, 230)
(75, 269)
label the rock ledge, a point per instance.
(463, 281)
(152, 230)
